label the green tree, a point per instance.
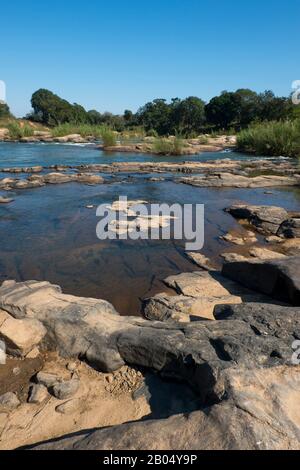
(187, 115)
(224, 111)
(155, 116)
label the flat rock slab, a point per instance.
(197, 353)
(229, 180)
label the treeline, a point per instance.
(186, 117)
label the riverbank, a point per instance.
(145, 145)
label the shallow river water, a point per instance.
(49, 234)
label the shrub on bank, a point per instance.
(17, 132)
(108, 137)
(169, 146)
(271, 139)
(83, 129)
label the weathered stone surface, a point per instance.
(180, 308)
(20, 336)
(240, 239)
(227, 180)
(9, 401)
(261, 412)
(264, 253)
(197, 352)
(265, 218)
(58, 178)
(89, 178)
(279, 279)
(201, 260)
(46, 379)
(66, 389)
(232, 257)
(67, 407)
(37, 394)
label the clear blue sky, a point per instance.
(117, 54)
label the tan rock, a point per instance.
(20, 336)
(264, 253)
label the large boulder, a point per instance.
(279, 279)
(197, 353)
(266, 219)
(260, 413)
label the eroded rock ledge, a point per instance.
(197, 352)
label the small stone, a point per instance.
(110, 379)
(90, 206)
(46, 379)
(9, 401)
(38, 394)
(5, 200)
(67, 389)
(16, 370)
(33, 354)
(274, 239)
(67, 407)
(72, 366)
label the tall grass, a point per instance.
(162, 146)
(271, 139)
(108, 137)
(84, 130)
(17, 132)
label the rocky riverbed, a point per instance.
(189, 147)
(216, 346)
(229, 335)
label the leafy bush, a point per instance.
(271, 139)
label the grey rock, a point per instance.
(9, 401)
(46, 379)
(279, 279)
(290, 228)
(266, 219)
(66, 389)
